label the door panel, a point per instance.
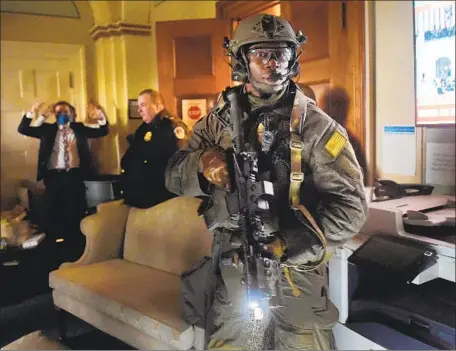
(312, 19)
(333, 60)
(30, 72)
(191, 60)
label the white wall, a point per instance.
(390, 58)
(394, 96)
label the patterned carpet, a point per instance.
(38, 313)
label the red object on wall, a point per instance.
(194, 112)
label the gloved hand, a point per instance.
(276, 247)
(303, 247)
(304, 256)
(213, 164)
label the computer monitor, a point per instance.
(434, 29)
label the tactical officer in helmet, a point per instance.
(318, 200)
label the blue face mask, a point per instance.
(62, 119)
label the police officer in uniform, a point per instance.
(144, 163)
(318, 200)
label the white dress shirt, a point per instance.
(57, 159)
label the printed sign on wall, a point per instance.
(192, 111)
(399, 150)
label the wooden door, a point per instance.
(30, 72)
(191, 61)
(332, 63)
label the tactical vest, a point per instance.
(280, 161)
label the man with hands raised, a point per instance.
(64, 160)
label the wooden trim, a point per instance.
(120, 28)
(315, 72)
(358, 16)
(230, 9)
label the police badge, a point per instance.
(148, 136)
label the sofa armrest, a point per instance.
(104, 232)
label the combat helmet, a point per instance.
(260, 28)
(264, 28)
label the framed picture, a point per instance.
(133, 109)
(193, 110)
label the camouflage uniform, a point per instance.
(332, 191)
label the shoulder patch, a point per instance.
(179, 132)
(335, 144)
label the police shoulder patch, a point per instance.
(335, 143)
(179, 132)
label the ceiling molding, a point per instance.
(120, 28)
(65, 9)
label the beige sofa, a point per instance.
(127, 282)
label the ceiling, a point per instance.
(60, 8)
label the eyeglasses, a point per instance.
(263, 56)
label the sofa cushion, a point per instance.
(35, 341)
(170, 237)
(143, 297)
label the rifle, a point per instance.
(246, 200)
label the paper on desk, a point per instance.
(399, 150)
(440, 163)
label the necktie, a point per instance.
(66, 151)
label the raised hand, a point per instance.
(92, 110)
(49, 111)
(36, 107)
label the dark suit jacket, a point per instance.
(47, 133)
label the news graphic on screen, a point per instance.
(435, 62)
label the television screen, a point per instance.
(434, 62)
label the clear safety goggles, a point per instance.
(281, 55)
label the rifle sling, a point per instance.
(298, 115)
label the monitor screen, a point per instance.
(434, 62)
